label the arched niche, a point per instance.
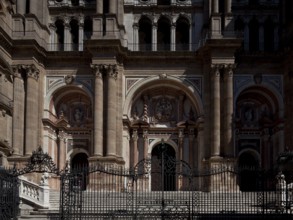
(73, 105)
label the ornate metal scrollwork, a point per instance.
(39, 162)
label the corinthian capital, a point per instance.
(97, 70)
(216, 69)
(229, 69)
(32, 71)
(112, 71)
(17, 70)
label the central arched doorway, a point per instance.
(79, 166)
(163, 168)
(249, 169)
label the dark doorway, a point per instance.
(79, 167)
(163, 168)
(249, 170)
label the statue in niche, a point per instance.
(78, 115)
(135, 114)
(163, 109)
(62, 110)
(248, 115)
(191, 115)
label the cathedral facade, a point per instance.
(110, 80)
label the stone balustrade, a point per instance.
(34, 193)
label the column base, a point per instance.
(221, 175)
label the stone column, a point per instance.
(181, 146)
(111, 110)
(173, 37)
(215, 151)
(80, 33)
(191, 147)
(98, 110)
(134, 148)
(18, 111)
(215, 6)
(276, 37)
(61, 142)
(261, 36)
(99, 6)
(31, 112)
(53, 37)
(228, 6)
(136, 44)
(67, 35)
(246, 36)
(180, 107)
(20, 6)
(228, 141)
(34, 7)
(216, 18)
(145, 144)
(112, 6)
(154, 37)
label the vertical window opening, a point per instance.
(182, 34)
(268, 35)
(88, 28)
(164, 34)
(74, 34)
(60, 34)
(145, 34)
(253, 35)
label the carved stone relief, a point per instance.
(163, 110)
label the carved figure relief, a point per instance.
(163, 109)
(78, 115)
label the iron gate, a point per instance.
(158, 188)
(9, 196)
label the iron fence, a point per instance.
(170, 189)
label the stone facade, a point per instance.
(94, 80)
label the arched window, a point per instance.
(60, 34)
(253, 35)
(182, 34)
(268, 35)
(88, 28)
(145, 34)
(164, 34)
(74, 33)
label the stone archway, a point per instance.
(163, 168)
(79, 165)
